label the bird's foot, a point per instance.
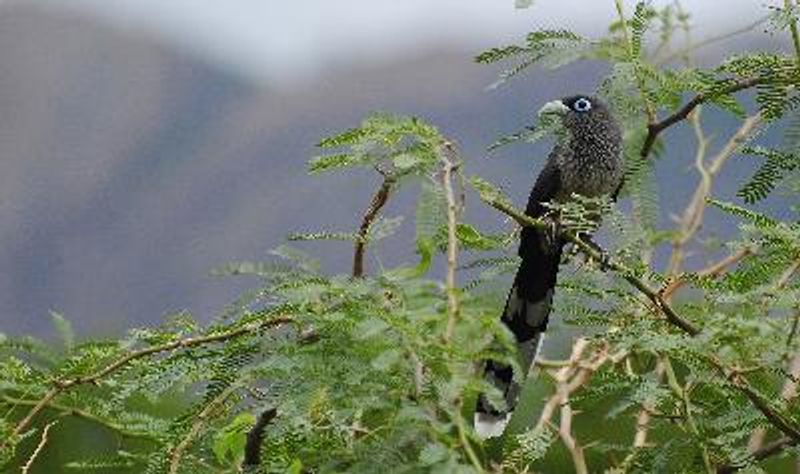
(603, 258)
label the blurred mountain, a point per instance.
(128, 170)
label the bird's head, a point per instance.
(582, 115)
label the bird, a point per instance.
(586, 160)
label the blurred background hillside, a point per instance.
(144, 143)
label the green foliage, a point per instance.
(551, 48)
(366, 372)
(777, 165)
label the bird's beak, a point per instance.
(554, 107)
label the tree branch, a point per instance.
(450, 163)
(595, 254)
(655, 128)
(200, 420)
(376, 204)
(64, 410)
(63, 385)
(735, 377)
(714, 270)
(39, 448)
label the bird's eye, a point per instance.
(582, 105)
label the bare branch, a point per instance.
(643, 418)
(376, 204)
(716, 269)
(655, 128)
(450, 163)
(39, 448)
(200, 420)
(570, 376)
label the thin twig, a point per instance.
(200, 420)
(575, 373)
(714, 270)
(655, 128)
(683, 394)
(788, 274)
(362, 236)
(65, 410)
(450, 163)
(39, 447)
(62, 385)
(643, 418)
(711, 40)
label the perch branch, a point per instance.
(597, 255)
(735, 377)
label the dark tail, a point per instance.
(526, 314)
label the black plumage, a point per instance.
(586, 160)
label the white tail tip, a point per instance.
(490, 426)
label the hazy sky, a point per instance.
(279, 40)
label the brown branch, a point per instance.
(643, 418)
(575, 373)
(65, 410)
(763, 405)
(450, 163)
(376, 204)
(714, 270)
(595, 254)
(655, 128)
(787, 275)
(200, 420)
(62, 385)
(38, 449)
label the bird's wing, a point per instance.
(546, 187)
(528, 304)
